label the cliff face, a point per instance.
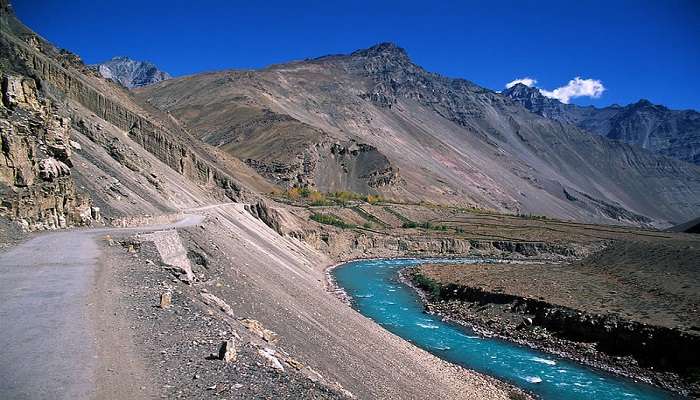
(51, 97)
(36, 185)
(433, 139)
(671, 133)
(130, 73)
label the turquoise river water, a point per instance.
(377, 293)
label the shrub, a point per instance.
(372, 199)
(317, 198)
(330, 219)
(427, 284)
(293, 193)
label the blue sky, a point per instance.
(637, 49)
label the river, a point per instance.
(377, 293)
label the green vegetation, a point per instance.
(427, 284)
(330, 219)
(343, 198)
(424, 225)
(316, 198)
(533, 216)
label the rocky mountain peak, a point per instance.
(131, 73)
(386, 50)
(532, 99)
(643, 104)
(522, 91)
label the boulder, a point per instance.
(210, 299)
(19, 91)
(51, 168)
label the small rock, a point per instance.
(166, 300)
(258, 328)
(270, 358)
(95, 213)
(75, 145)
(227, 351)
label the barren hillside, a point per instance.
(375, 122)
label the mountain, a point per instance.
(130, 73)
(375, 122)
(209, 255)
(671, 133)
(79, 150)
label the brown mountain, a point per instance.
(373, 121)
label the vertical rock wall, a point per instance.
(36, 186)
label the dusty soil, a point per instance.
(641, 286)
(149, 352)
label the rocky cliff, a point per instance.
(672, 133)
(36, 186)
(50, 96)
(130, 73)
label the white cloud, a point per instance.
(529, 82)
(576, 87)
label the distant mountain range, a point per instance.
(375, 122)
(130, 73)
(654, 127)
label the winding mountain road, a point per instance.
(46, 340)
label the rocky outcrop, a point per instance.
(345, 244)
(35, 164)
(130, 73)
(330, 166)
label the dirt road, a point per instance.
(46, 341)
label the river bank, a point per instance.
(649, 353)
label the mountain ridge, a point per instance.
(672, 133)
(130, 73)
(446, 140)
